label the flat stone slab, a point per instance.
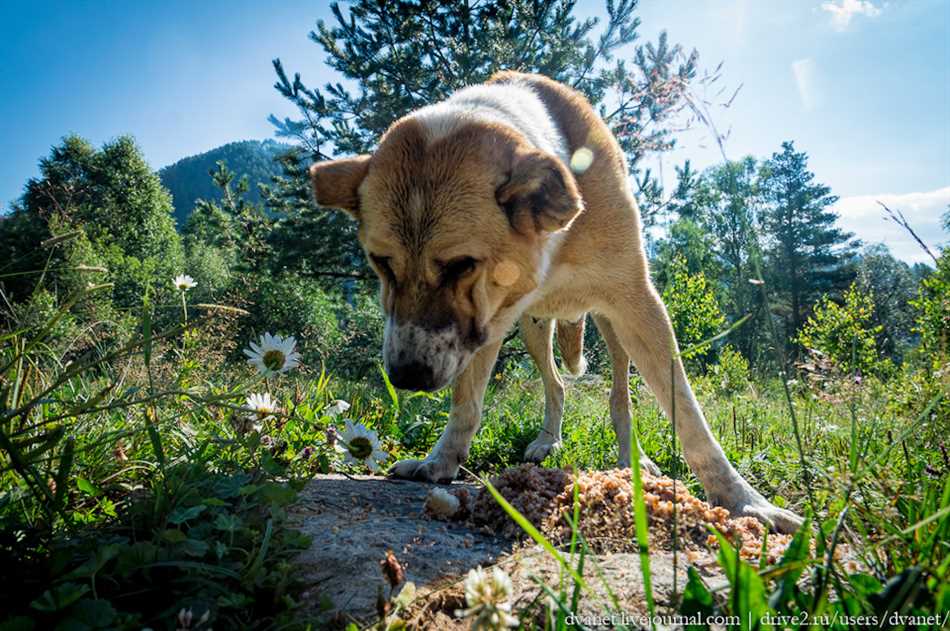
(354, 520)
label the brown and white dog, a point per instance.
(512, 199)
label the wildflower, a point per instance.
(487, 596)
(185, 617)
(261, 404)
(184, 282)
(361, 445)
(337, 408)
(273, 354)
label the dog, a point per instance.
(510, 199)
(536, 333)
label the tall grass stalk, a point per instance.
(640, 521)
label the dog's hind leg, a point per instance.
(537, 334)
(451, 450)
(643, 327)
(620, 395)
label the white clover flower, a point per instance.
(360, 446)
(487, 596)
(273, 354)
(337, 408)
(261, 404)
(184, 282)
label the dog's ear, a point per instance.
(539, 194)
(336, 182)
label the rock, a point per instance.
(354, 520)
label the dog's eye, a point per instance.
(456, 269)
(382, 264)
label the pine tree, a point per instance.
(235, 223)
(405, 54)
(807, 254)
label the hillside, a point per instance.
(188, 180)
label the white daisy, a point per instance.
(487, 596)
(361, 446)
(273, 354)
(261, 404)
(336, 408)
(184, 282)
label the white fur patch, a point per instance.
(440, 350)
(513, 104)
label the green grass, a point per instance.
(128, 492)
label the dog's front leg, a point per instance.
(468, 395)
(537, 335)
(643, 327)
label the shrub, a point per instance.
(731, 371)
(844, 333)
(694, 311)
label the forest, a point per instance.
(177, 363)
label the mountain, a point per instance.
(188, 179)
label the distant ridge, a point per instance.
(188, 180)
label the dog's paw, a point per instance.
(645, 463)
(540, 447)
(649, 466)
(747, 502)
(428, 470)
(777, 519)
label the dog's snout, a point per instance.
(413, 375)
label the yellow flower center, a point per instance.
(274, 360)
(360, 447)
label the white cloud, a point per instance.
(804, 71)
(843, 11)
(862, 215)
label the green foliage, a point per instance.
(117, 205)
(933, 313)
(694, 311)
(845, 333)
(293, 305)
(187, 180)
(892, 285)
(731, 371)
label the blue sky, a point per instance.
(862, 85)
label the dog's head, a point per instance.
(459, 230)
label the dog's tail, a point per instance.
(570, 339)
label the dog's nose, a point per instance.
(413, 375)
